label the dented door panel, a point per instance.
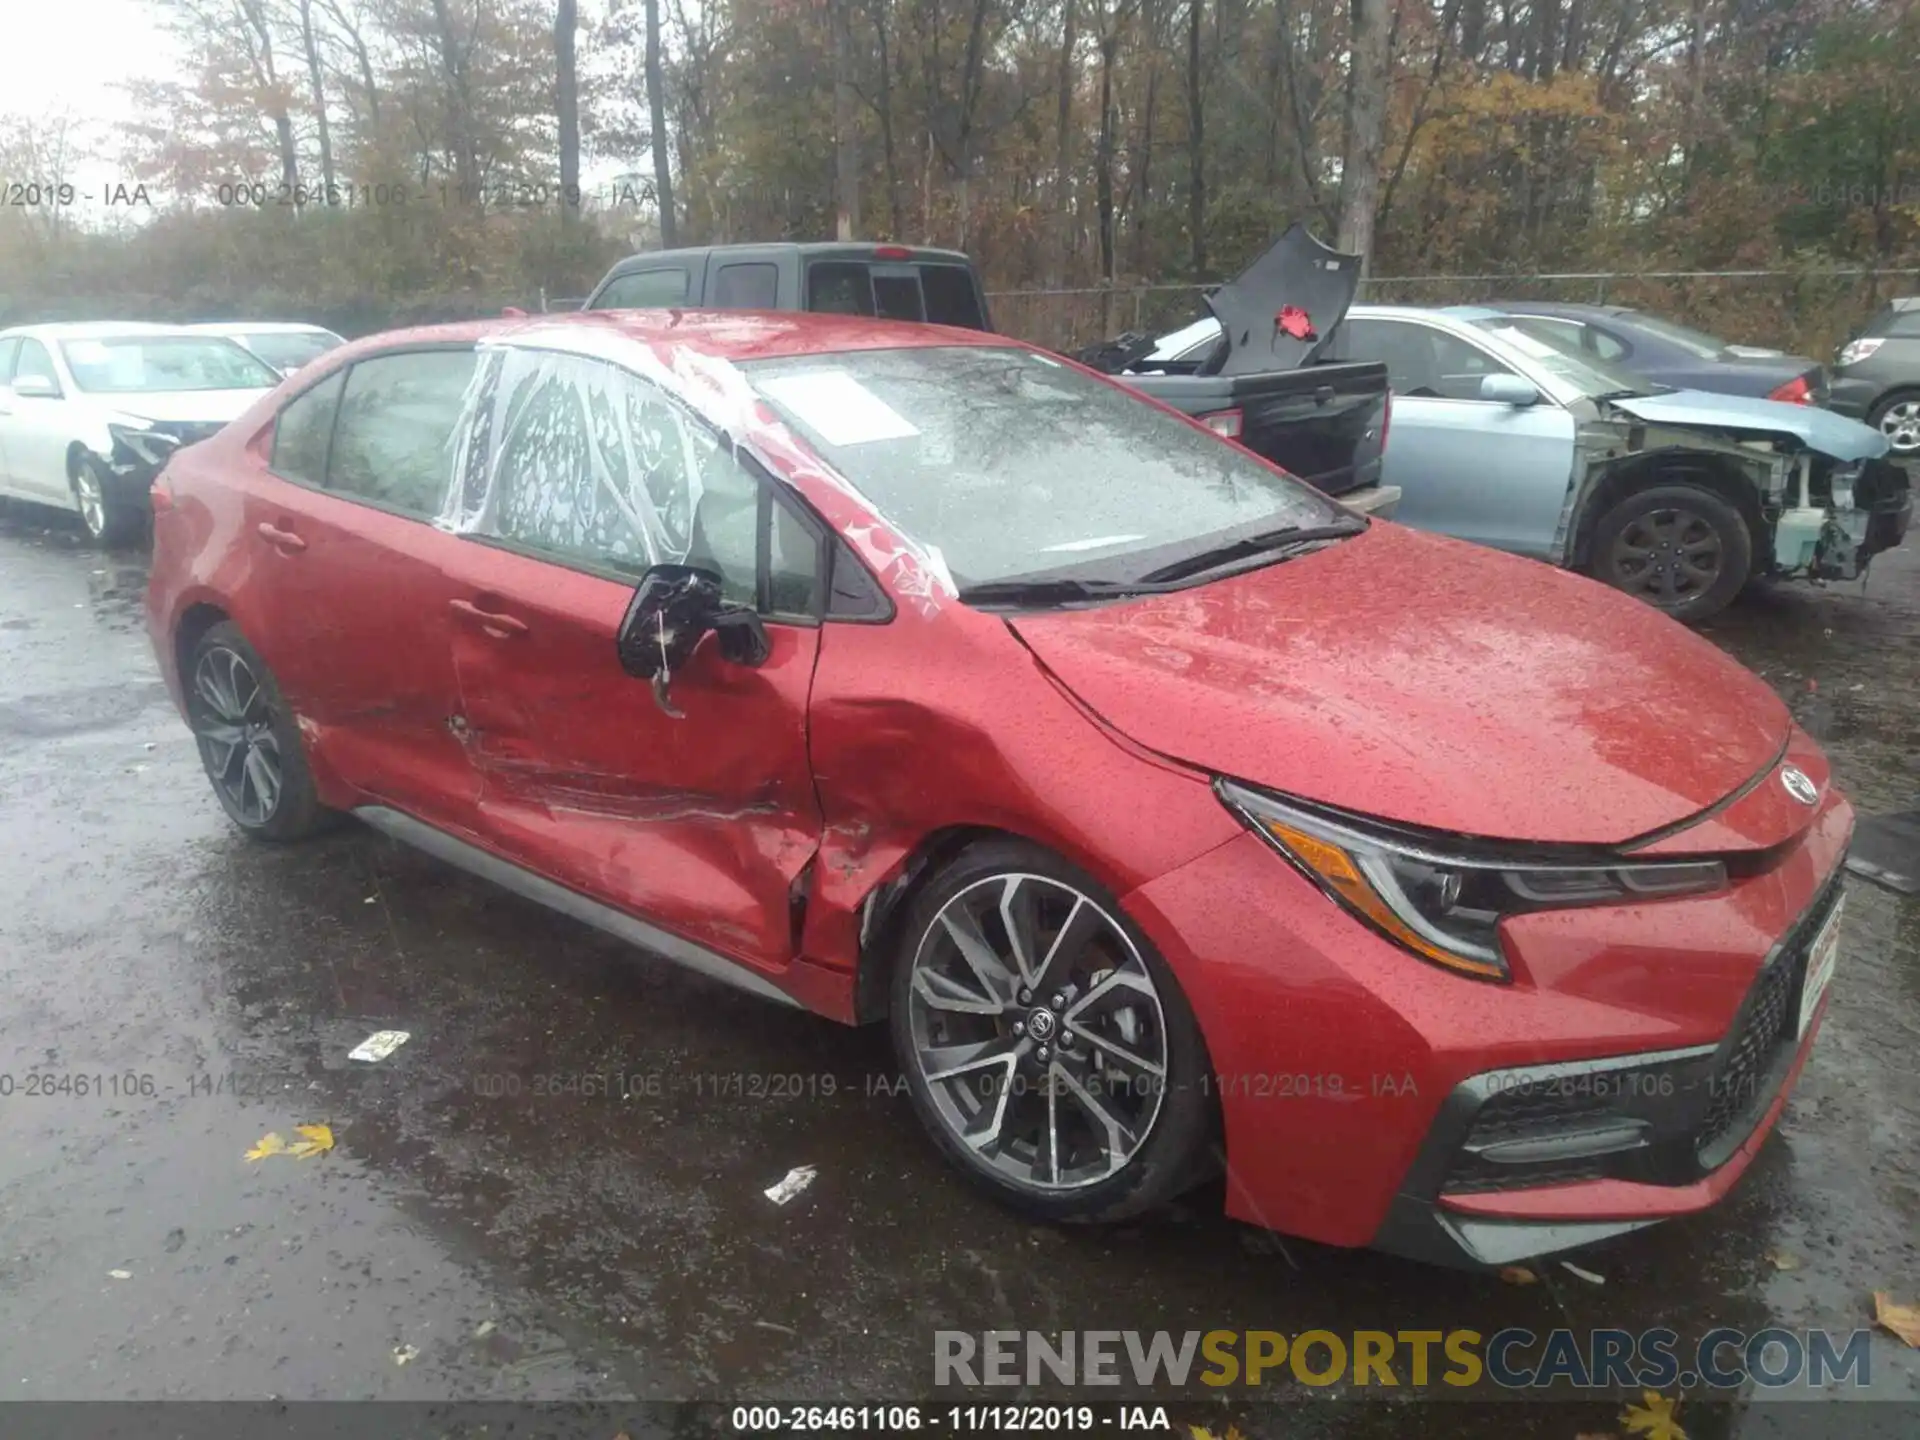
(703, 825)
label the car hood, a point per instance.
(1819, 430)
(175, 405)
(1280, 311)
(1468, 691)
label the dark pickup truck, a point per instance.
(1260, 382)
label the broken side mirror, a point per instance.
(673, 608)
(1508, 390)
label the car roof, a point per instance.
(94, 329)
(806, 249)
(1571, 309)
(1418, 312)
(723, 334)
(259, 327)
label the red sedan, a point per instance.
(1170, 814)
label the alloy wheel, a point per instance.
(1038, 1031)
(1900, 423)
(234, 726)
(93, 500)
(1668, 556)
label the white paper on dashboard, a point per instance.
(839, 408)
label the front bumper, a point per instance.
(1529, 1161)
(1354, 1080)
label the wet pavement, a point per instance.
(554, 1189)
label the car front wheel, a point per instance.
(1047, 1048)
(1680, 548)
(248, 741)
(109, 519)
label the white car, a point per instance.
(286, 345)
(90, 412)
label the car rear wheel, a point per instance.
(1047, 1048)
(1898, 418)
(109, 521)
(248, 742)
(1682, 549)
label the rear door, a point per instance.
(1479, 469)
(702, 822)
(357, 625)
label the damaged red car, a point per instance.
(1172, 816)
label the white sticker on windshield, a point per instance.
(839, 408)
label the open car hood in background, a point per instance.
(1297, 278)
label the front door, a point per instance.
(700, 822)
(38, 429)
(1482, 470)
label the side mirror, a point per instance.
(1508, 390)
(36, 387)
(673, 608)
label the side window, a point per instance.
(34, 360)
(1553, 330)
(1606, 346)
(747, 287)
(304, 430)
(951, 298)
(840, 287)
(8, 350)
(1421, 360)
(645, 290)
(793, 562)
(397, 414)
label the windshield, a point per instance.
(1585, 375)
(288, 349)
(1009, 463)
(145, 364)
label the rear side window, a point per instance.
(301, 434)
(951, 296)
(34, 360)
(747, 287)
(645, 290)
(397, 414)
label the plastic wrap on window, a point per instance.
(576, 455)
(607, 392)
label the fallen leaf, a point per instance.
(268, 1144)
(1519, 1275)
(121, 1274)
(318, 1140)
(1901, 1320)
(403, 1353)
(1781, 1260)
(1653, 1419)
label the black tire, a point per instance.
(1908, 402)
(1652, 545)
(108, 521)
(295, 811)
(1170, 1156)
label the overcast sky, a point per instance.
(76, 53)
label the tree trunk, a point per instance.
(307, 40)
(1103, 174)
(453, 65)
(897, 225)
(566, 21)
(1142, 184)
(1196, 143)
(657, 118)
(1365, 124)
(846, 147)
(1063, 148)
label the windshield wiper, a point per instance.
(1268, 541)
(1042, 590)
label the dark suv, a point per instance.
(1876, 376)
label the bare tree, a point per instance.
(309, 41)
(846, 148)
(1063, 139)
(657, 118)
(1196, 142)
(1366, 125)
(566, 23)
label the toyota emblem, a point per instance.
(1798, 785)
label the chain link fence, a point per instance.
(1809, 312)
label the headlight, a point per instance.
(1443, 897)
(151, 447)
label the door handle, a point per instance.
(285, 541)
(494, 623)
(1323, 395)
